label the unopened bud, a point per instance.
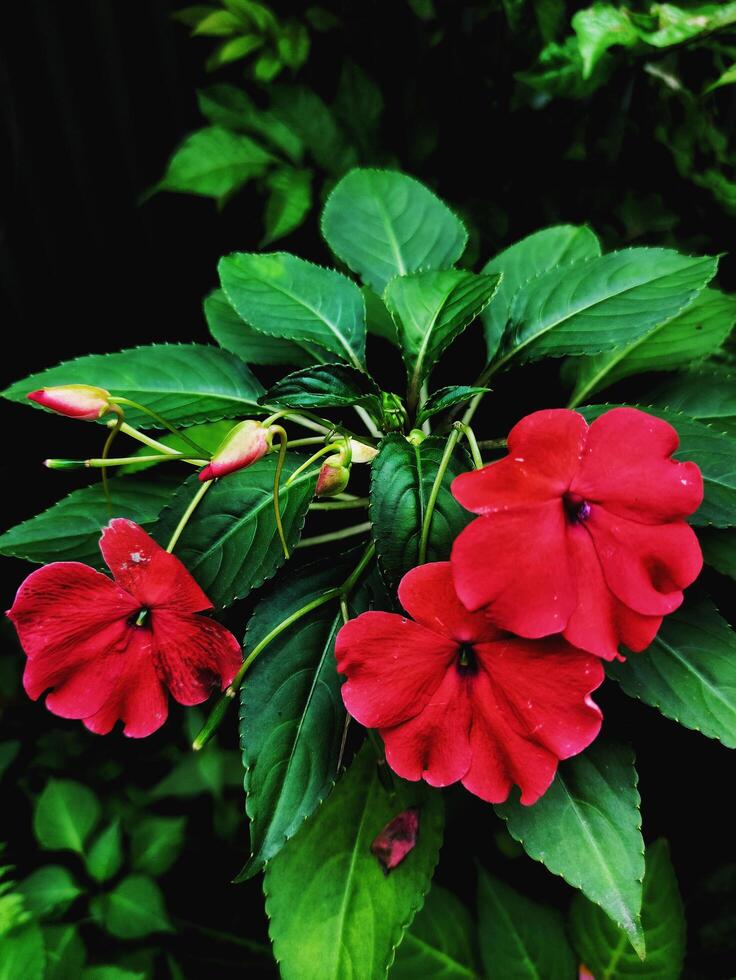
(245, 443)
(75, 401)
(65, 464)
(333, 476)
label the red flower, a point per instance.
(78, 629)
(455, 699)
(582, 530)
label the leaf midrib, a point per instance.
(439, 955)
(701, 677)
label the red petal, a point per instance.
(646, 566)
(393, 667)
(193, 655)
(531, 708)
(627, 468)
(518, 565)
(600, 621)
(397, 839)
(156, 578)
(428, 594)
(434, 745)
(544, 455)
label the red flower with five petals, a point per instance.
(582, 530)
(80, 632)
(454, 698)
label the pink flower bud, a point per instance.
(245, 443)
(333, 477)
(76, 401)
(397, 839)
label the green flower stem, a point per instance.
(492, 443)
(312, 441)
(117, 425)
(345, 532)
(186, 516)
(283, 441)
(340, 504)
(472, 442)
(128, 430)
(368, 421)
(225, 700)
(330, 448)
(164, 422)
(452, 441)
(481, 382)
(101, 463)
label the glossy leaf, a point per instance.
(49, 891)
(286, 297)
(401, 481)
(231, 545)
(214, 162)
(518, 937)
(602, 302)
(70, 530)
(133, 909)
(382, 224)
(66, 814)
(292, 718)
(587, 828)
(706, 393)
(289, 201)
(713, 451)
(523, 261)
(599, 28)
(719, 549)
(688, 672)
(156, 843)
(604, 949)
(325, 386)
(431, 309)
(65, 952)
(687, 337)
(441, 943)
(186, 383)
(232, 108)
(446, 398)
(22, 954)
(333, 913)
(234, 334)
(105, 857)
(378, 318)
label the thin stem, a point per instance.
(340, 504)
(312, 441)
(434, 493)
(492, 444)
(162, 421)
(120, 418)
(331, 447)
(101, 463)
(368, 421)
(307, 423)
(276, 415)
(472, 443)
(352, 580)
(185, 517)
(283, 441)
(345, 532)
(344, 611)
(481, 382)
(424, 394)
(128, 430)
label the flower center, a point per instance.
(139, 618)
(577, 510)
(467, 661)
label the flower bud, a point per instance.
(245, 443)
(361, 452)
(75, 401)
(333, 477)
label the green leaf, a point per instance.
(186, 383)
(292, 717)
(527, 259)
(111, 973)
(587, 828)
(49, 891)
(599, 28)
(333, 913)
(105, 857)
(232, 108)
(431, 309)
(65, 952)
(214, 162)
(231, 545)
(284, 296)
(713, 451)
(70, 530)
(401, 481)
(156, 843)
(133, 909)
(675, 343)
(304, 112)
(234, 334)
(441, 943)
(382, 224)
(378, 318)
(325, 386)
(719, 549)
(8, 753)
(728, 77)
(289, 201)
(602, 302)
(604, 949)
(234, 50)
(22, 955)
(688, 672)
(706, 393)
(674, 25)
(520, 938)
(66, 814)
(446, 398)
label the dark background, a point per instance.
(95, 95)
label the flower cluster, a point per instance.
(580, 547)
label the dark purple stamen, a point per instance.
(576, 509)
